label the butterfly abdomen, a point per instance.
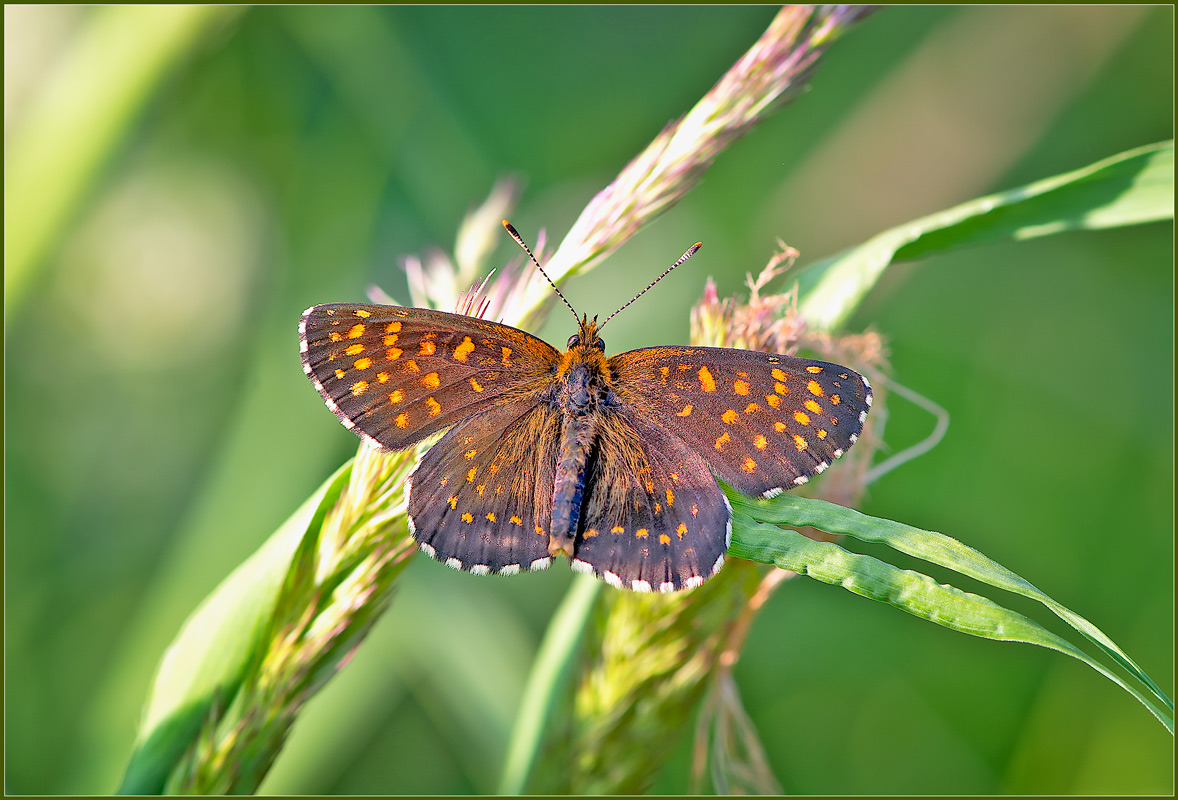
(578, 401)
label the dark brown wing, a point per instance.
(397, 375)
(763, 422)
(654, 518)
(480, 500)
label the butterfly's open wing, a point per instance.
(396, 374)
(480, 500)
(654, 518)
(764, 422)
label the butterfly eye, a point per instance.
(599, 344)
(573, 341)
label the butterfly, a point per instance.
(610, 461)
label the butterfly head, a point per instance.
(586, 338)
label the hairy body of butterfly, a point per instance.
(610, 461)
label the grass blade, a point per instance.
(205, 663)
(755, 537)
(549, 671)
(1129, 188)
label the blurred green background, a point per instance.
(158, 426)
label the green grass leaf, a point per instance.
(549, 672)
(1129, 188)
(756, 537)
(205, 663)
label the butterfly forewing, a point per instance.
(480, 499)
(399, 374)
(764, 422)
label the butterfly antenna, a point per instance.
(520, 241)
(690, 252)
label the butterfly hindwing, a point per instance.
(397, 375)
(480, 499)
(764, 422)
(654, 518)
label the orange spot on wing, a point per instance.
(821, 433)
(362, 313)
(475, 385)
(814, 388)
(802, 417)
(354, 350)
(706, 381)
(749, 465)
(393, 353)
(760, 442)
(641, 533)
(741, 387)
(752, 408)
(516, 520)
(470, 474)
(781, 388)
(464, 349)
(469, 454)
(778, 375)
(813, 406)
(396, 396)
(779, 426)
(730, 416)
(430, 380)
(428, 349)
(389, 341)
(467, 518)
(686, 412)
(815, 370)
(358, 388)
(363, 363)
(402, 420)
(434, 407)
(834, 398)
(723, 440)
(670, 498)
(383, 377)
(339, 373)
(393, 327)
(682, 529)
(490, 516)
(617, 529)
(356, 332)
(799, 442)
(664, 539)
(506, 355)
